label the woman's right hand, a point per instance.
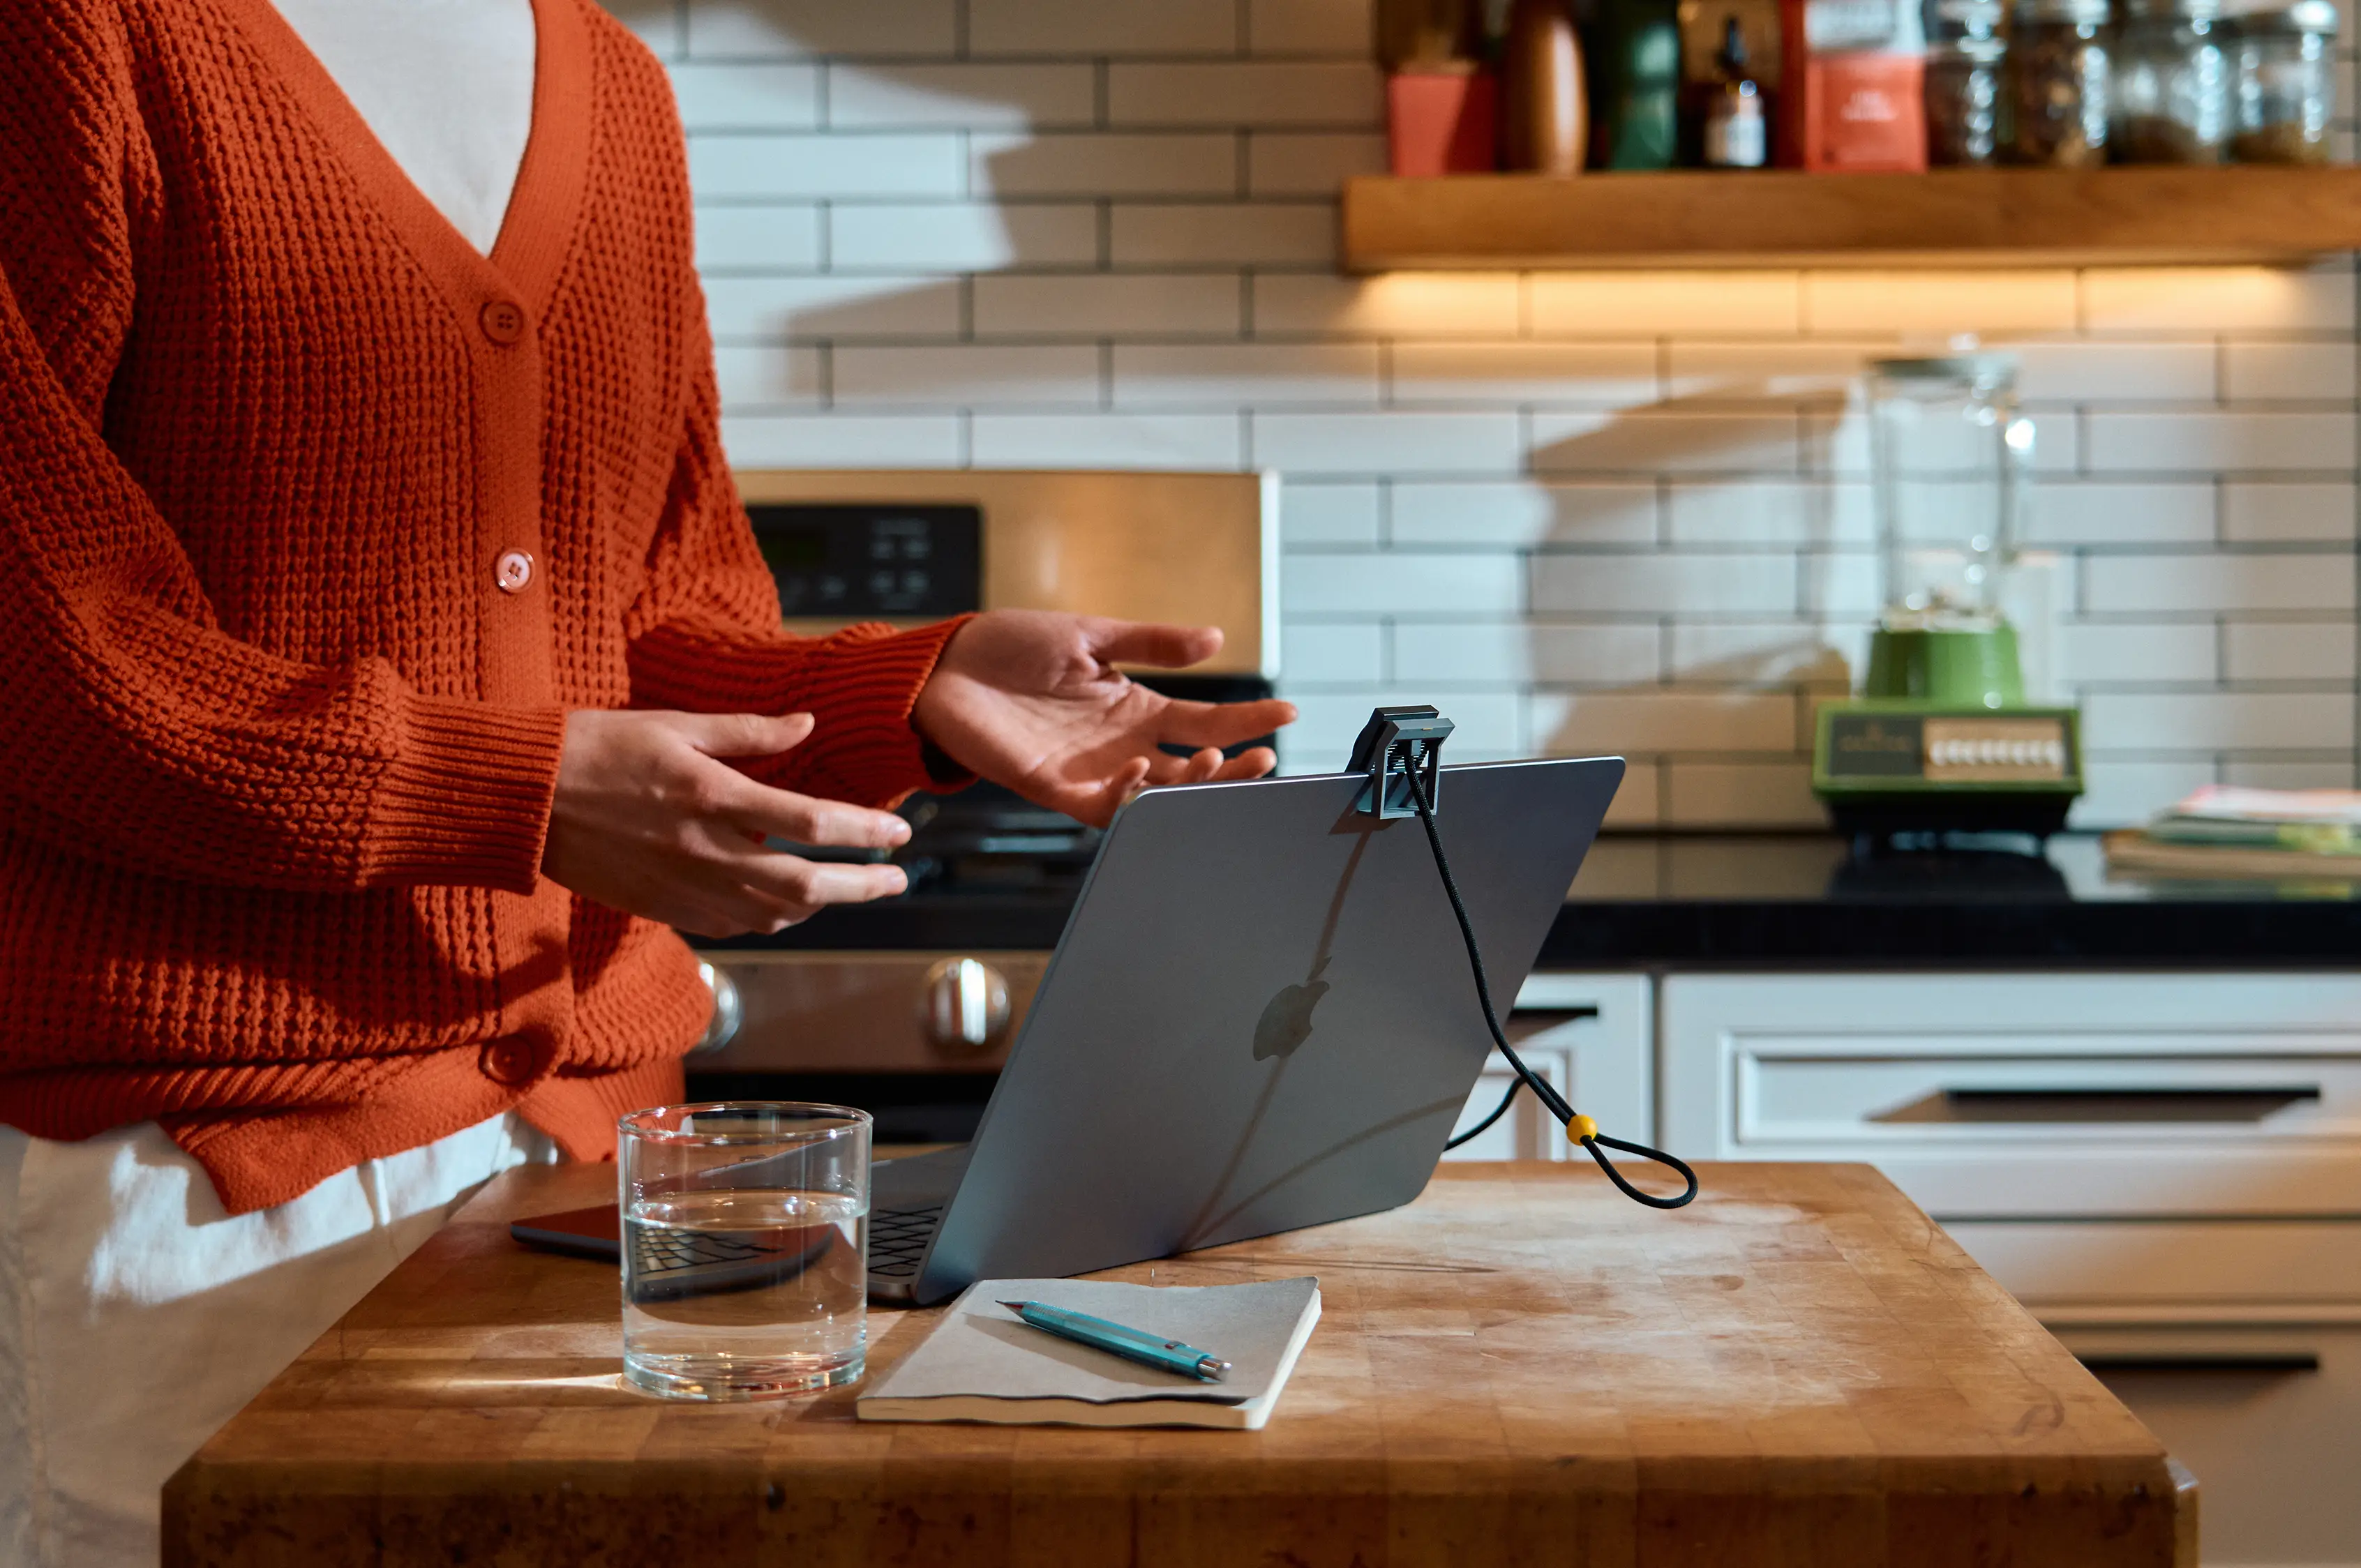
(648, 821)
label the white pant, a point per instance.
(135, 1317)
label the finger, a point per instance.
(1223, 724)
(1251, 763)
(764, 811)
(744, 734)
(1165, 769)
(804, 887)
(1148, 643)
(1096, 800)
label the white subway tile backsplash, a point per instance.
(2065, 513)
(755, 376)
(746, 96)
(766, 239)
(1341, 94)
(1384, 443)
(959, 237)
(1104, 305)
(1309, 26)
(1650, 441)
(1102, 27)
(1400, 305)
(1796, 512)
(2196, 442)
(1637, 584)
(972, 96)
(2130, 585)
(2273, 372)
(1938, 304)
(1299, 234)
(2114, 372)
(1514, 513)
(1741, 795)
(2290, 651)
(2175, 301)
(2266, 511)
(1101, 164)
(1583, 374)
(1253, 374)
(843, 440)
(2120, 794)
(2218, 722)
(1663, 721)
(1818, 653)
(1584, 511)
(1344, 513)
(1401, 582)
(1106, 441)
(774, 308)
(961, 374)
(722, 166)
(1326, 653)
(1311, 163)
(2136, 653)
(1518, 652)
(1621, 304)
(774, 29)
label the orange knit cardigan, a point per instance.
(279, 728)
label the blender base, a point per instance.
(1943, 811)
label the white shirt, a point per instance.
(447, 85)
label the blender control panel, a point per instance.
(1949, 748)
(863, 560)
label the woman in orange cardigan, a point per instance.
(389, 667)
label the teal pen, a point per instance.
(1133, 1344)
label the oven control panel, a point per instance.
(865, 560)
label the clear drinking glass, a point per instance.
(745, 1248)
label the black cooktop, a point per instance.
(991, 873)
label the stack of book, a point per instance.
(2272, 835)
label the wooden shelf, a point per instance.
(1953, 218)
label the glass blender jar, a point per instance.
(1950, 457)
(1941, 738)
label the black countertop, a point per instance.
(1788, 901)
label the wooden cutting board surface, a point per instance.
(1521, 1367)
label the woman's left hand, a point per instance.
(1032, 699)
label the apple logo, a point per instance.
(1286, 1021)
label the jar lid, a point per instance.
(2174, 10)
(2298, 16)
(1975, 52)
(1987, 370)
(2080, 13)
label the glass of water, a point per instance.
(745, 1248)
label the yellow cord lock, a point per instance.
(1581, 1127)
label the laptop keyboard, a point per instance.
(662, 1252)
(898, 1238)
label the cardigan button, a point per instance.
(508, 1062)
(503, 321)
(514, 571)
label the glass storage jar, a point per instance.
(1963, 102)
(2060, 84)
(2285, 83)
(2172, 88)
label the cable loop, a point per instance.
(1587, 1133)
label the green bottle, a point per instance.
(1636, 102)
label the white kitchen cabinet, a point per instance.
(1592, 1038)
(2165, 1169)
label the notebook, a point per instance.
(980, 1364)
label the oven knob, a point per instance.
(963, 1006)
(728, 1010)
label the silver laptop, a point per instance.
(1260, 1017)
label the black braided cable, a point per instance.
(1526, 1078)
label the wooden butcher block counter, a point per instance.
(1521, 1367)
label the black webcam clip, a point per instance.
(1397, 746)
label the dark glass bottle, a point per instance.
(1730, 116)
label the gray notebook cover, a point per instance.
(980, 1349)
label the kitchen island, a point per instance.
(1519, 1367)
